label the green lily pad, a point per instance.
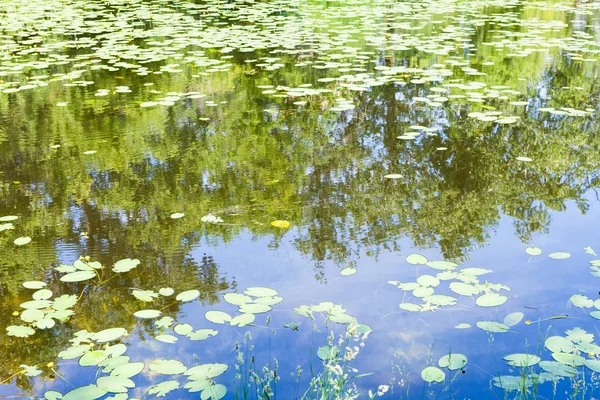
(166, 291)
(147, 314)
(45, 323)
(522, 360)
(490, 300)
(254, 308)
(188, 295)
(167, 367)
(442, 265)
(493, 327)
(32, 314)
(242, 320)
(165, 338)
(581, 301)
(217, 317)
(115, 384)
(464, 289)
(453, 361)
(348, 271)
(34, 284)
(559, 344)
(78, 276)
(327, 352)
(260, 292)
(416, 259)
(533, 251)
(433, 374)
(214, 392)
(22, 240)
(92, 358)
(163, 388)
(128, 370)
(89, 392)
(558, 369)
(108, 335)
(19, 331)
(559, 255)
(202, 334)
(513, 319)
(125, 265)
(569, 359)
(183, 329)
(164, 322)
(237, 299)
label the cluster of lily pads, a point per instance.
(467, 284)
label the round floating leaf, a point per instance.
(115, 384)
(22, 240)
(19, 331)
(165, 338)
(281, 224)
(43, 294)
(533, 251)
(410, 307)
(242, 320)
(594, 365)
(52, 395)
(327, 353)
(206, 371)
(581, 301)
(510, 383)
(78, 276)
(462, 326)
(440, 300)
(433, 374)
(526, 159)
(115, 350)
(522, 360)
(177, 215)
(513, 319)
(34, 284)
(595, 314)
(74, 352)
(254, 308)
(36, 304)
(559, 344)
(92, 358)
(89, 392)
(260, 292)
(214, 392)
(453, 361)
(128, 370)
(559, 255)
(475, 271)
(490, 300)
(464, 289)
(442, 265)
(147, 314)
(348, 271)
(110, 364)
(161, 389)
(8, 218)
(183, 329)
(237, 299)
(202, 334)
(569, 359)
(188, 295)
(416, 259)
(217, 317)
(167, 367)
(393, 176)
(166, 291)
(428, 280)
(423, 292)
(125, 265)
(164, 322)
(108, 335)
(32, 314)
(65, 301)
(45, 323)
(491, 326)
(269, 301)
(558, 369)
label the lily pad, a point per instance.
(108, 335)
(147, 314)
(522, 360)
(90, 392)
(559, 255)
(217, 317)
(490, 300)
(416, 259)
(433, 374)
(260, 292)
(513, 319)
(167, 367)
(533, 251)
(188, 295)
(493, 327)
(237, 299)
(78, 276)
(22, 240)
(125, 265)
(242, 320)
(163, 388)
(453, 361)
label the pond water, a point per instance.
(299, 199)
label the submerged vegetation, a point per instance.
(165, 165)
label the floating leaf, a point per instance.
(474, 271)
(177, 215)
(254, 308)
(491, 326)
(533, 251)
(440, 300)
(327, 353)
(188, 295)
(522, 360)
(108, 335)
(145, 295)
(202, 334)
(128, 370)
(147, 314)
(214, 392)
(92, 358)
(166, 338)
(281, 224)
(416, 259)
(569, 359)
(45, 323)
(164, 322)
(410, 307)
(559, 344)
(52, 395)
(167, 367)
(78, 276)
(8, 218)
(183, 329)
(490, 300)
(442, 265)
(36, 304)
(433, 374)
(511, 383)
(115, 384)
(559, 255)
(393, 176)
(74, 352)
(453, 361)
(348, 271)
(462, 326)
(34, 284)
(464, 289)
(217, 317)
(31, 371)
(125, 265)
(161, 389)
(22, 240)
(526, 159)
(581, 301)
(558, 369)
(589, 250)
(31, 315)
(65, 301)
(19, 331)
(242, 320)
(166, 291)
(89, 392)
(513, 319)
